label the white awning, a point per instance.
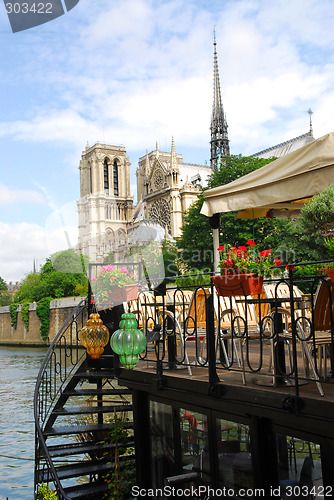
(300, 174)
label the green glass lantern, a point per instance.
(128, 342)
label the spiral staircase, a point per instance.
(77, 404)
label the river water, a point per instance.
(19, 367)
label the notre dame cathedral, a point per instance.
(166, 187)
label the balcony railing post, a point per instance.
(211, 345)
(294, 331)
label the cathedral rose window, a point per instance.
(160, 213)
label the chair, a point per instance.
(282, 290)
(319, 335)
(145, 309)
(192, 323)
(238, 321)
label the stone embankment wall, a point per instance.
(60, 310)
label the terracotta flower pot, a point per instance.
(330, 273)
(131, 292)
(238, 284)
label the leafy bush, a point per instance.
(13, 314)
(5, 298)
(185, 282)
(25, 315)
(45, 493)
(318, 214)
(43, 313)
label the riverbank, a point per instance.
(60, 310)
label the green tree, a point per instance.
(318, 214)
(5, 296)
(56, 278)
(3, 284)
(196, 240)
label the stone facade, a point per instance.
(166, 188)
(106, 205)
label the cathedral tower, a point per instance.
(106, 205)
(219, 138)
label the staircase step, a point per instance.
(94, 375)
(97, 392)
(87, 490)
(63, 450)
(81, 429)
(82, 410)
(84, 468)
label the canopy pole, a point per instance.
(216, 256)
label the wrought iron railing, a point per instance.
(62, 359)
(281, 339)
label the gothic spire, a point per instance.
(219, 138)
(310, 112)
(173, 156)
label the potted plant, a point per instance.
(243, 269)
(113, 285)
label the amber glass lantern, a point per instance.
(94, 336)
(128, 342)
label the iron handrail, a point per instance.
(47, 391)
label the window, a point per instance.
(299, 465)
(115, 178)
(234, 455)
(106, 174)
(162, 442)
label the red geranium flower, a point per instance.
(251, 243)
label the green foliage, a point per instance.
(54, 282)
(69, 262)
(307, 277)
(291, 240)
(122, 477)
(236, 166)
(13, 314)
(3, 284)
(45, 493)
(5, 298)
(318, 214)
(25, 315)
(43, 313)
(329, 244)
(296, 244)
(186, 282)
(195, 243)
(81, 289)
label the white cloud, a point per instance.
(21, 245)
(9, 196)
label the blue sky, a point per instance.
(140, 71)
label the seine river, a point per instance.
(18, 371)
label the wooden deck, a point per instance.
(257, 380)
